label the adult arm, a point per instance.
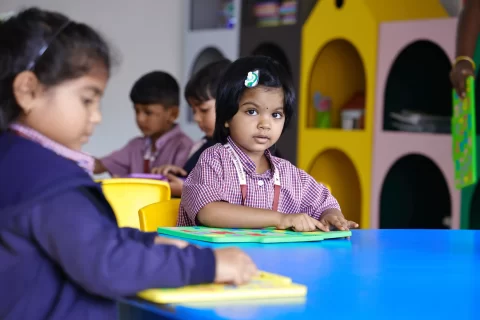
(467, 34)
(468, 29)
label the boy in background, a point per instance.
(200, 94)
(156, 98)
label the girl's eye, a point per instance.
(252, 112)
(204, 110)
(277, 115)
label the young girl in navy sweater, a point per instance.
(62, 254)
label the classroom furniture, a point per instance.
(413, 175)
(159, 214)
(209, 37)
(265, 31)
(128, 195)
(378, 274)
(339, 55)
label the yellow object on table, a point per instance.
(264, 286)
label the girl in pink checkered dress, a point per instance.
(237, 183)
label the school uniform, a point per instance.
(173, 147)
(226, 173)
(62, 254)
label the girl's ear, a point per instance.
(25, 90)
(226, 125)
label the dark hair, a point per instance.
(156, 87)
(50, 45)
(232, 86)
(203, 85)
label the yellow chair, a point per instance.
(160, 214)
(128, 195)
(327, 186)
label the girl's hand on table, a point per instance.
(169, 241)
(334, 219)
(233, 266)
(300, 222)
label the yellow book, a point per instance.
(264, 286)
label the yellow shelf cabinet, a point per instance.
(339, 57)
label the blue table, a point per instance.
(378, 274)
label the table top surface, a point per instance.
(377, 274)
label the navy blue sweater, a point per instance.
(62, 255)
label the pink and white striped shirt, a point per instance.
(83, 160)
(214, 179)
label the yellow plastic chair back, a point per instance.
(128, 195)
(160, 214)
(327, 186)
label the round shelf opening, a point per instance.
(474, 222)
(414, 195)
(206, 56)
(337, 94)
(418, 85)
(335, 169)
(275, 52)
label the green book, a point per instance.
(464, 146)
(267, 235)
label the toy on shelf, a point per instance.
(288, 12)
(228, 18)
(272, 13)
(353, 113)
(323, 107)
(268, 235)
(267, 13)
(412, 121)
(264, 286)
(464, 137)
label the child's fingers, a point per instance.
(181, 172)
(352, 224)
(165, 171)
(174, 242)
(321, 226)
(311, 226)
(339, 223)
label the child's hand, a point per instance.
(169, 169)
(334, 218)
(176, 185)
(301, 222)
(174, 242)
(234, 266)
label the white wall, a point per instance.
(147, 35)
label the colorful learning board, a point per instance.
(464, 137)
(268, 235)
(264, 286)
